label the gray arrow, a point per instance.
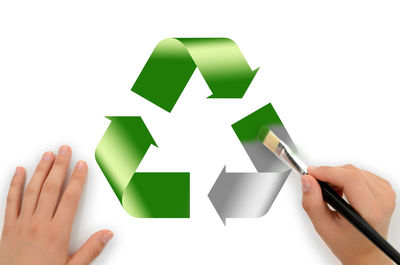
(246, 195)
(250, 195)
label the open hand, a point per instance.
(36, 228)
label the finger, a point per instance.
(32, 191)
(314, 205)
(66, 210)
(14, 196)
(352, 183)
(52, 186)
(91, 249)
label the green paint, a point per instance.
(174, 60)
(142, 194)
(247, 128)
(262, 133)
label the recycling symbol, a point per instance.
(161, 81)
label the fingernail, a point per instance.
(18, 171)
(47, 156)
(305, 184)
(63, 150)
(19, 174)
(81, 165)
(106, 237)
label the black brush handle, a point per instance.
(351, 215)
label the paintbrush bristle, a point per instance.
(268, 138)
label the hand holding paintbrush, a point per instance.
(370, 195)
(371, 198)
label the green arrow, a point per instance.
(142, 194)
(174, 60)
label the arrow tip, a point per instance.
(253, 74)
(129, 121)
(255, 71)
(213, 196)
(223, 218)
(236, 90)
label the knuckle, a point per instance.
(71, 198)
(50, 187)
(30, 191)
(53, 237)
(33, 230)
(350, 166)
(41, 167)
(61, 161)
(94, 252)
(11, 198)
(387, 183)
(383, 181)
(78, 178)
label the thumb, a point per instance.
(91, 249)
(313, 203)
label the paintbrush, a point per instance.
(285, 154)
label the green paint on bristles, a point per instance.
(262, 133)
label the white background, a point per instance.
(330, 68)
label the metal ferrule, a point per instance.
(290, 158)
